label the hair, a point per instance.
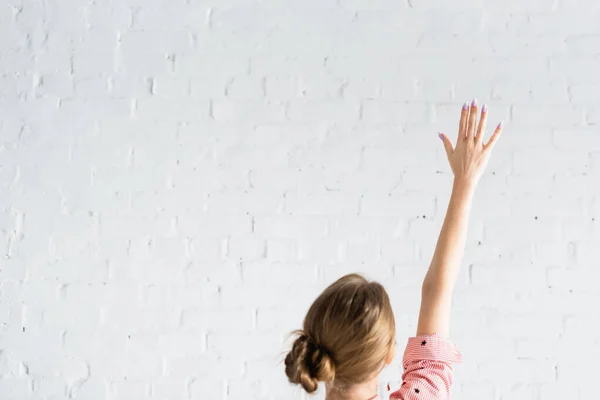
(347, 335)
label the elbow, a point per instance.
(428, 288)
(431, 284)
(435, 289)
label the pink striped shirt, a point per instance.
(427, 366)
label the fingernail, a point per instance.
(440, 136)
(500, 124)
(474, 103)
(484, 108)
(466, 106)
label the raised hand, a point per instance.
(468, 160)
(470, 156)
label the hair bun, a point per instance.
(308, 363)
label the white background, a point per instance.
(180, 179)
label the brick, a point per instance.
(281, 274)
(167, 388)
(54, 387)
(545, 228)
(252, 203)
(115, 16)
(324, 250)
(243, 87)
(209, 87)
(331, 203)
(572, 279)
(556, 391)
(16, 388)
(399, 250)
(550, 92)
(526, 277)
(583, 93)
(291, 227)
(155, 295)
(523, 371)
(184, 342)
(360, 252)
(321, 87)
(285, 65)
(396, 206)
(523, 45)
(171, 87)
(246, 249)
(585, 137)
(149, 42)
(379, 159)
(576, 70)
(392, 112)
(309, 162)
(92, 342)
(225, 344)
(96, 108)
(283, 321)
(220, 321)
(127, 389)
(134, 367)
(282, 88)
(282, 250)
(159, 17)
(472, 390)
(366, 228)
(140, 318)
(548, 116)
(330, 111)
(70, 315)
(234, 296)
(188, 110)
(530, 326)
(535, 162)
(358, 67)
(185, 366)
(68, 368)
(244, 111)
(10, 366)
(536, 6)
(536, 349)
(201, 387)
(93, 389)
(206, 66)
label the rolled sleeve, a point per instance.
(428, 373)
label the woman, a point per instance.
(349, 331)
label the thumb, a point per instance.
(447, 144)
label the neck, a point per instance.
(362, 391)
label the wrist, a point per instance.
(464, 185)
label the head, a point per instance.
(347, 338)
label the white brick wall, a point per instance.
(180, 179)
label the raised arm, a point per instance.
(467, 161)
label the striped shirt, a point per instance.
(427, 366)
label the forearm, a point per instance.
(445, 265)
(438, 285)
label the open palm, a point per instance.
(470, 156)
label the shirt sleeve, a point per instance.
(428, 371)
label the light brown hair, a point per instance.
(347, 334)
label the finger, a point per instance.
(490, 144)
(447, 144)
(482, 123)
(472, 119)
(464, 118)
